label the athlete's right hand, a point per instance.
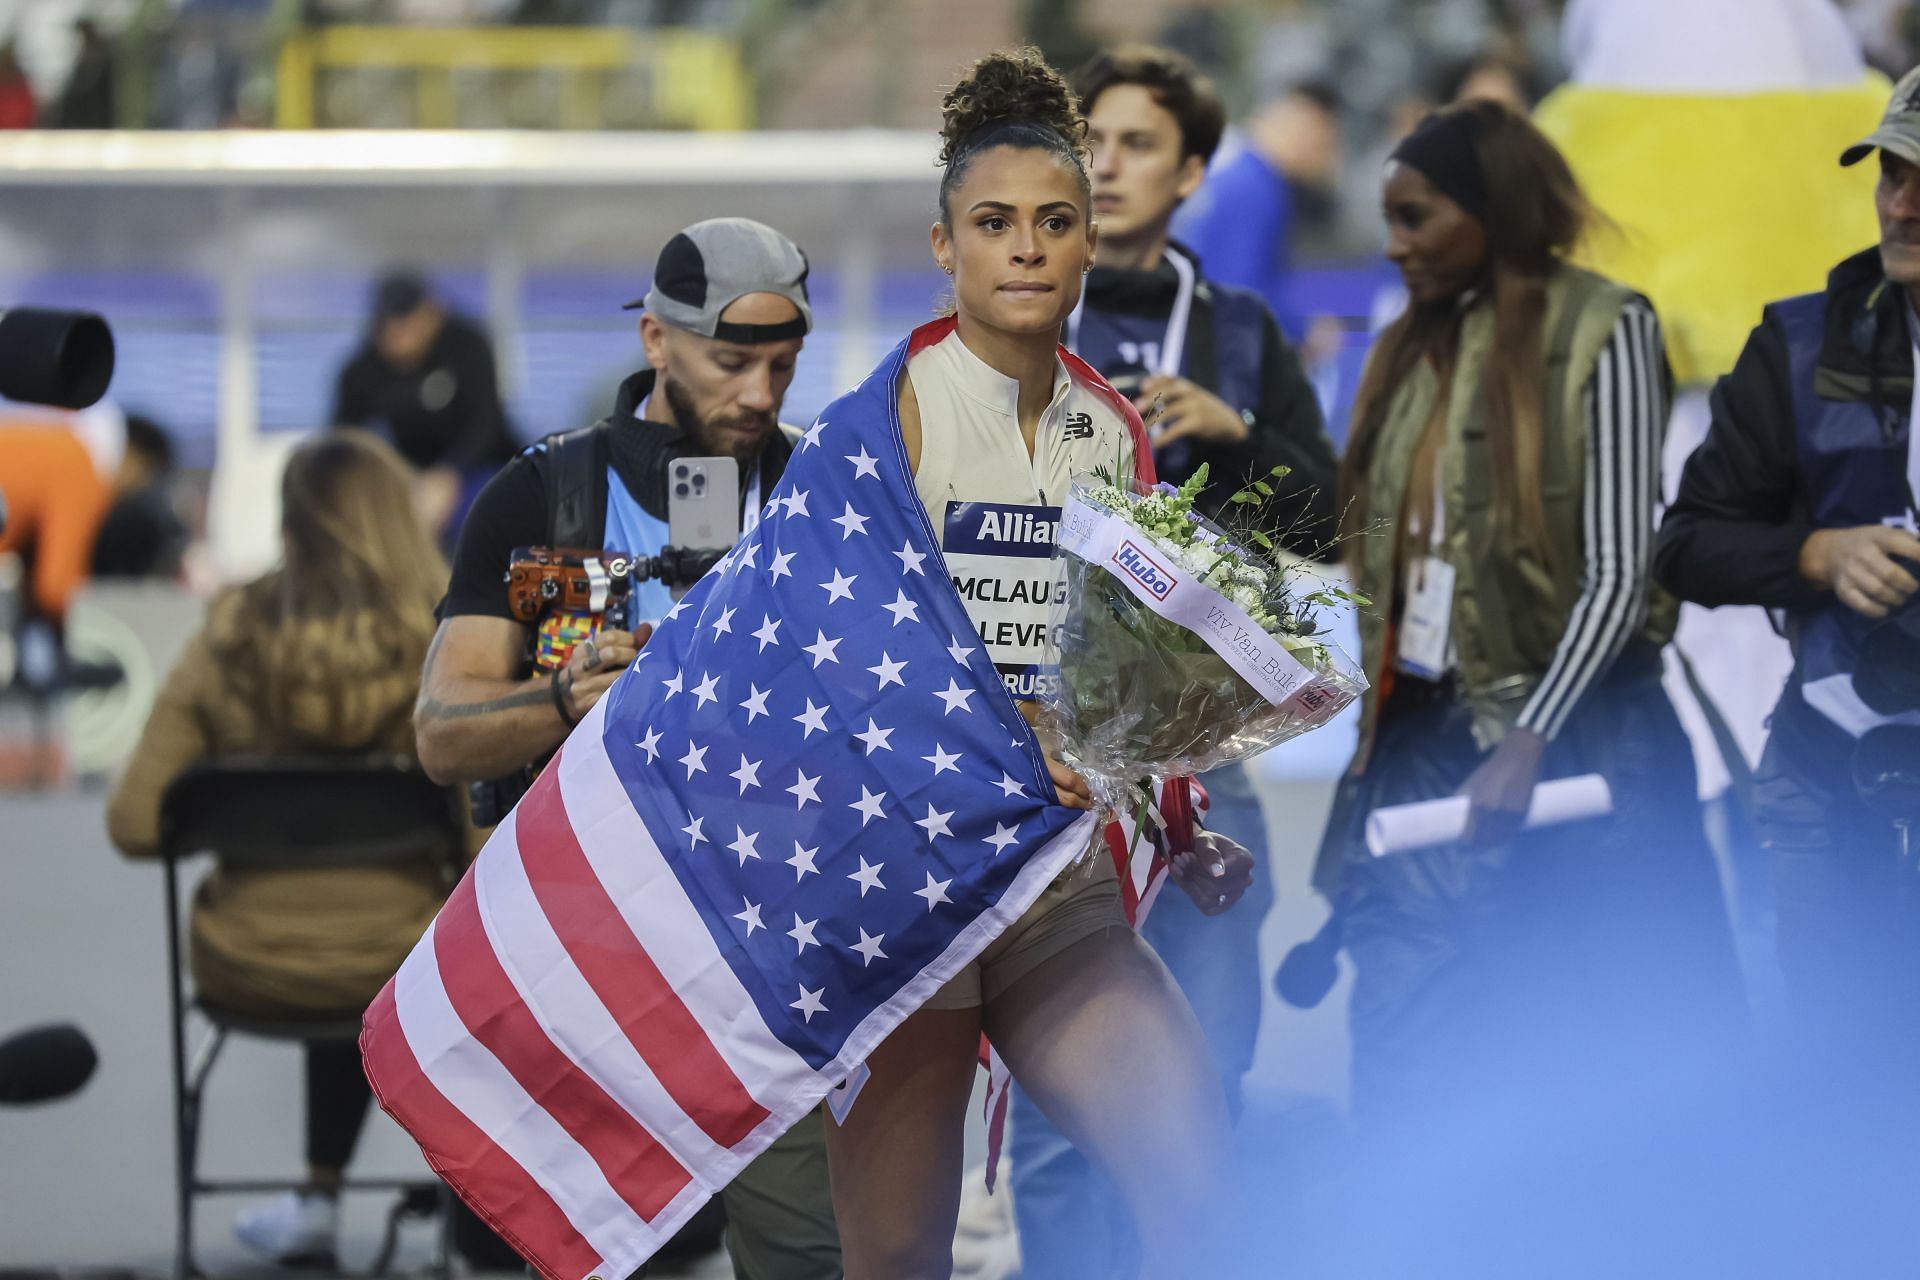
(1071, 789)
(595, 664)
(1858, 565)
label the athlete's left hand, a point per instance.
(1185, 408)
(1216, 872)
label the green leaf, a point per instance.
(1281, 471)
(1244, 497)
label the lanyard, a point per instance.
(1913, 422)
(1173, 346)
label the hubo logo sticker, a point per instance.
(1144, 569)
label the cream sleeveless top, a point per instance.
(994, 509)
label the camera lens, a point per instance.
(680, 472)
(700, 482)
(680, 491)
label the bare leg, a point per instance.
(897, 1162)
(1102, 1039)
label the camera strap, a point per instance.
(576, 487)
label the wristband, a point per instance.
(560, 698)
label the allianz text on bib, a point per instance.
(1001, 558)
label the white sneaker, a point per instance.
(293, 1229)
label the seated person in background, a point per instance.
(424, 378)
(142, 535)
(320, 656)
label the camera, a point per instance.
(59, 358)
(1887, 669)
(558, 589)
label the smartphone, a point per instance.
(703, 503)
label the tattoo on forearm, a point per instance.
(432, 708)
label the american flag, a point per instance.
(804, 808)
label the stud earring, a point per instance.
(948, 270)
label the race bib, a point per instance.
(1001, 558)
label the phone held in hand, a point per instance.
(703, 505)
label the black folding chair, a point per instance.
(287, 812)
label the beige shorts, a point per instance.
(1082, 901)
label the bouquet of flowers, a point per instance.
(1183, 646)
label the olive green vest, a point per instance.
(1509, 609)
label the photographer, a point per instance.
(1801, 499)
(725, 319)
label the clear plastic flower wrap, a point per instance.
(1182, 647)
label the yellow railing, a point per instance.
(694, 79)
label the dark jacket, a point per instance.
(1233, 349)
(1733, 534)
(445, 412)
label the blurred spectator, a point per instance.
(320, 656)
(424, 378)
(1503, 466)
(55, 501)
(1245, 217)
(87, 100)
(143, 535)
(17, 106)
(1489, 76)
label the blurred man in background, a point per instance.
(142, 535)
(1246, 216)
(425, 378)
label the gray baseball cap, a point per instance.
(1899, 130)
(713, 264)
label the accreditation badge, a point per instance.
(1001, 558)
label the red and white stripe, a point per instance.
(571, 1051)
(565, 1078)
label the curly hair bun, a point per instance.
(1014, 86)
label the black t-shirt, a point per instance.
(446, 412)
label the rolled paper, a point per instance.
(1401, 828)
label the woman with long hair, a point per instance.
(992, 414)
(1499, 491)
(321, 656)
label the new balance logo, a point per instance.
(1079, 426)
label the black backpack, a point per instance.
(577, 486)
(576, 517)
